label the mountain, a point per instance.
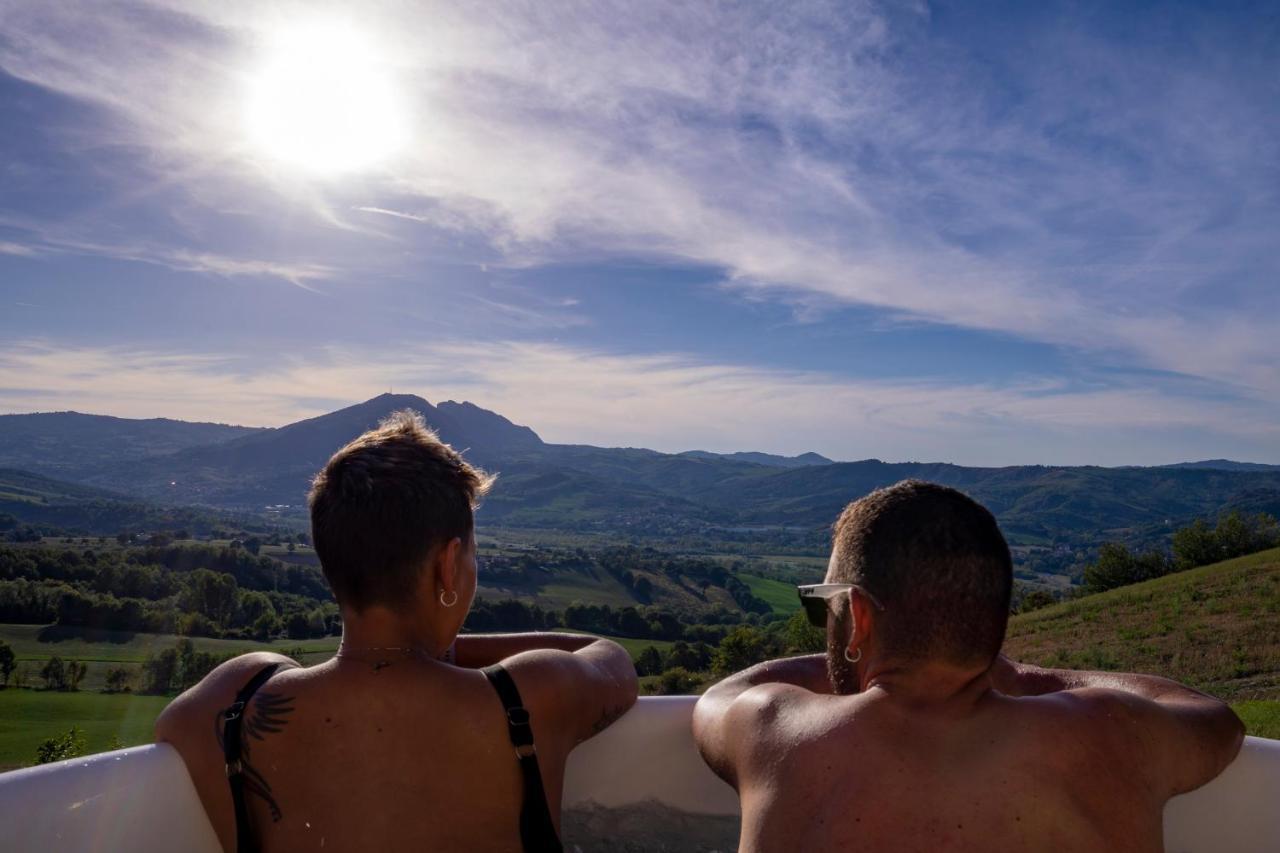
(632, 490)
(1225, 465)
(67, 444)
(275, 466)
(769, 459)
(34, 499)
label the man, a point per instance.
(398, 742)
(915, 734)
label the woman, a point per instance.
(411, 737)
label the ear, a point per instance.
(864, 619)
(447, 564)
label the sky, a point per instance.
(977, 232)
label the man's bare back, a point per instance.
(914, 733)
(892, 769)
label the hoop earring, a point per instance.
(853, 660)
(452, 601)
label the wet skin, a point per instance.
(383, 750)
(935, 757)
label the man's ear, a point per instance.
(864, 618)
(447, 565)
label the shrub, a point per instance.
(61, 747)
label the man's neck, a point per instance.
(931, 683)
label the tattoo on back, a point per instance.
(270, 715)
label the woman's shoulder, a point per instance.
(216, 691)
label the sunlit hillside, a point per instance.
(1216, 627)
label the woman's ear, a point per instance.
(447, 563)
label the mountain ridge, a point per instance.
(587, 487)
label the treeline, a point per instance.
(196, 590)
(1198, 544)
(686, 666)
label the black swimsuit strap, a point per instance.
(233, 749)
(537, 831)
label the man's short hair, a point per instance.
(383, 504)
(937, 561)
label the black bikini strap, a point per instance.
(233, 749)
(537, 831)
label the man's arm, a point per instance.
(1183, 737)
(744, 701)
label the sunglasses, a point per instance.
(816, 599)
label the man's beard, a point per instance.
(843, 675)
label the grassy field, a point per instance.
(1261, 718)
(1216, 628)
(28, 717)
(100, 650)
(780, 596)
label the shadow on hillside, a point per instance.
(61, 633)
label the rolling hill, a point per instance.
(632, 490)
(70, 444)
(1216, 628)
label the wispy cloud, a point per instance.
(668, 402)
(1068, 186)
(49, 240)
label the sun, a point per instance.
(324, 101)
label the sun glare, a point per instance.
(324, 101)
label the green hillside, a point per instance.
(1216, 628)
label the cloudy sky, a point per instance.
(987, 233)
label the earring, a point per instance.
(850, 659)
(451, 601)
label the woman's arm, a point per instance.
(473, 651)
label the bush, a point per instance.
(649, 662)
(61, 747)
(119, 679)
(677, 681)
(54, 673)
(8, 660)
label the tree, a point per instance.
(75, 673)
(802, 637)
(1035, 600)
(54, 673)
(118, 678)
(677, 682)
(649, 662)
(266, 626)
(8, 660)
(158, 671)
(741, 648)
(1118, 566)
(1195, 545)
(61, 747)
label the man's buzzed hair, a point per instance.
(938, 563)
(383, 504)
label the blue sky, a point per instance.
(987, 233)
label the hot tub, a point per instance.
(640, 786)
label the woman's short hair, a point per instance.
(384, 503)
(937, 561)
